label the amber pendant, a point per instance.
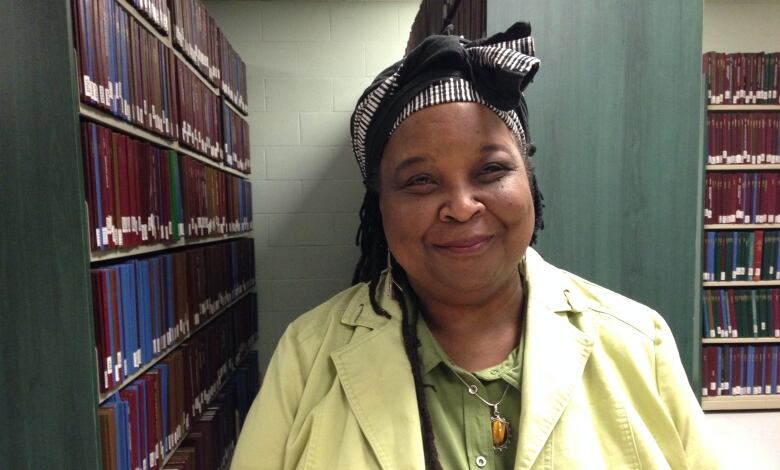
(501, 431)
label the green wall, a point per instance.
(616, 113)
(48, 393)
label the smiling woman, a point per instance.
(458, 346)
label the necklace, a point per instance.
(500, 429)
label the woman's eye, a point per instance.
(420, 184)
(421, 180)
(492, 170)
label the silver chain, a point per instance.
(472, 389)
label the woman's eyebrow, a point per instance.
(495, 148)
(410, 162)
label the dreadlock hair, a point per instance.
(374, 258)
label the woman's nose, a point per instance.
(461, 205)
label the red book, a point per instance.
(736, 371)
(766, 369)
(106, 186)
(134, 424)
(101, 343)
(758, 253)
(771, 197)
(113, 285)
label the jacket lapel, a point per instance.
(375, 376)
(555, 353)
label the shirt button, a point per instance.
(480, 461)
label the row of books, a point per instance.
(742, 255)
(234, 85)
(138, 193)
(142, 423)
(743, 138)
(740, 370)
(742, 198)
(211, 440)
(143, 307)
(236, 138)
(741, 313)
(215, 202)
(742, 78)
(157, 12)
(196, 35)
(123, 68)
(198, 114)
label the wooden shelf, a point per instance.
(743, 107)
(741, 402)
(114, 122)
(739, 340)
(146, 249)
(743, 167)
(238, 360)
(106, 395)
(741, 226)
(245, 115)
(740, 283)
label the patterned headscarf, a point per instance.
(445, 69)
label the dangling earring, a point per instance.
(389, 281)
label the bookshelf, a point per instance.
(51, 384)
(741, 229)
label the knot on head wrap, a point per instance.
(445, 69)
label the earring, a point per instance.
(389, 281)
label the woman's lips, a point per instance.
(465, 245)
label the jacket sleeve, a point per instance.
(264, 435)
(684, 409)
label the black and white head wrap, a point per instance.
(445, 69)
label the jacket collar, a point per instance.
(374, 370)
(374, 374)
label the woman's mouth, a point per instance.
(466, 245)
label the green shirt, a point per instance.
(461, 421)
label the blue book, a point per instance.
(123, 22)
(725, 326)
(111, 56)
(154, 282)
(90, 52)
(171, 306)
(705, 317)
(764, 372)
(142, 271)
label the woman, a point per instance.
(458, 346)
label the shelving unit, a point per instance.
(741, 402)
(52, 411)
(743, 348)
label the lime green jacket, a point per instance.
(603, 387)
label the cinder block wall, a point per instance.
(307, 63)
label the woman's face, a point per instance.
(455, 201)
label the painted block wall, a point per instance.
(307, 63)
